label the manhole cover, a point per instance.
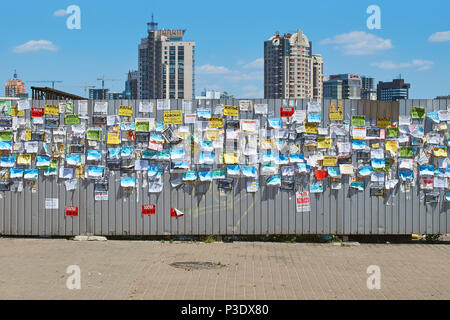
(197, 265)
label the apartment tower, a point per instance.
(291, 71)
(166, 65)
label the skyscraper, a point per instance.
(166, 65)
(291, 71)
(368, 91)
(317, 77)
(15, 87)
(131, 85)
(99, 94)
(342, 86)
(393, 91)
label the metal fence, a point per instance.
(208, 212)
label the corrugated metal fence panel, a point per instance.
(207, 211)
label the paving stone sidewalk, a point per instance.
(36, 269)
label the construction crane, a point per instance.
(47, 81)
(85, 87)
(103, 84)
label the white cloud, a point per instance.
(389, 65)
(257, 94)
(244, 81)
(36, 45)
(229, 74)
(251, 91)
(256, 64)
(440, 37)
(60, 13)
(420, 65)
(359, 43)
(241, 76)
(423, 64)
(210, 69)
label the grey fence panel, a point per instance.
(207, 210)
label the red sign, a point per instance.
(71, 211)
(148, 209)
(321, 174)
(175, 213)
(37, 112)
(287, 112)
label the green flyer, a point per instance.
(418, 113)
(358, 121)
(142, 126)
(5, 135)
(393, 132)
(69, 107)
(406, 152)
(93, 134)
(72, 119)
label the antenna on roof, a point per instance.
(15, 74)
(152, 26)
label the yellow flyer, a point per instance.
(392, 146)
(312, 128)
(332, 107)
(126, 111)
(113, 138)
(173, 117)
(24, 159)
(230, 158)
(216, 123)
(51, 110)
(329, 161)
(16, 113)
(267, 144)
(324, 143)
(440, 152)
(212, 134)
(336, 116)
(383, 122)
(27, 135)
(79, 172)
(231, 111)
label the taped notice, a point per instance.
(231, 111)
(52, 110)
(126, 111)
(101, 196)
(303, 202)
(51, 203)
(173, 117)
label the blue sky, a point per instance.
(414, 40)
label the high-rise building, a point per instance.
(342, 86)
(97, 94)
(15, 87)
(368, 91)
(291, 71)
(166, 65)
(131, 85)
(209, 95)
(443, 97)
(317, 77)
(393, 91)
